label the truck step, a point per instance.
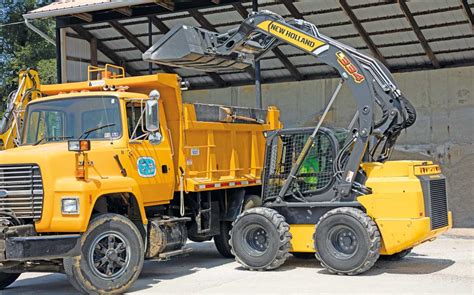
(168, 255)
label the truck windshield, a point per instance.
(96, 117)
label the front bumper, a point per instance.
(28, 246)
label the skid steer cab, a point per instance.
(115, 170)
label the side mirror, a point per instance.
(152, 112)
(152, 117)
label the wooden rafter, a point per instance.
(411, 19)
(127, 11)
(199, 17)
(86, 35)
(135, 41)
(278, 53)
(468, 12)
(84, 16)
(362, 32)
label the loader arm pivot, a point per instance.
(369, 80)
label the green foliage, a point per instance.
(21, 47)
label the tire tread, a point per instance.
(283, 229)
(374, 240)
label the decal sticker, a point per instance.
(195, 152)
(97, 83)
(189, 162)
(349, 67)
(290, 35)
(146, 167)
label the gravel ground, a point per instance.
(443, 266)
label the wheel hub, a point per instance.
(256, 240)
(110, 255)
(343, 241)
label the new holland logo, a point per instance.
(291, 35)
(349, 67)
(3, 193)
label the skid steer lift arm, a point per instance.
(369, 80)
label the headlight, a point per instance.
(79, 145)
(70, 205)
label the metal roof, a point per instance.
(406, 36)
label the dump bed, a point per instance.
(225, 146)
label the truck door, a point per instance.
(152, 162)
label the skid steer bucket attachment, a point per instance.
(194, 48)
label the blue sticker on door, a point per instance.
(146, 167)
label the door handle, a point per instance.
(164, 168)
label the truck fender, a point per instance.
(235, 203)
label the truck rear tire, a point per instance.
(112, 255)
(6, 279)
(222, 240)
(347, 241)
(260, 239)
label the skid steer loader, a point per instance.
(326, 191)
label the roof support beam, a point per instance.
(159, 24)
(135, 41)
(85, 34)
(84, 16)
(278, 53)
(468, 12)
(199, 17)
(292, 9)
(127, 11)
(362, 32)
(418, 33)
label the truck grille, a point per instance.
(438, 203)
(21, 190)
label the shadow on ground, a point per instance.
(412, 264)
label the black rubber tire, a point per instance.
(397, 256)
(304, 255)
(79, 269)
(6, 279)
(222, 240)
(277, 235)
(366, 243)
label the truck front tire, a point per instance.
(112, 255)
(6, 279)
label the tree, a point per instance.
(21, 47)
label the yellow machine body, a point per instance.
(397, 206)
(206, 155)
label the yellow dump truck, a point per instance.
(115, 170)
